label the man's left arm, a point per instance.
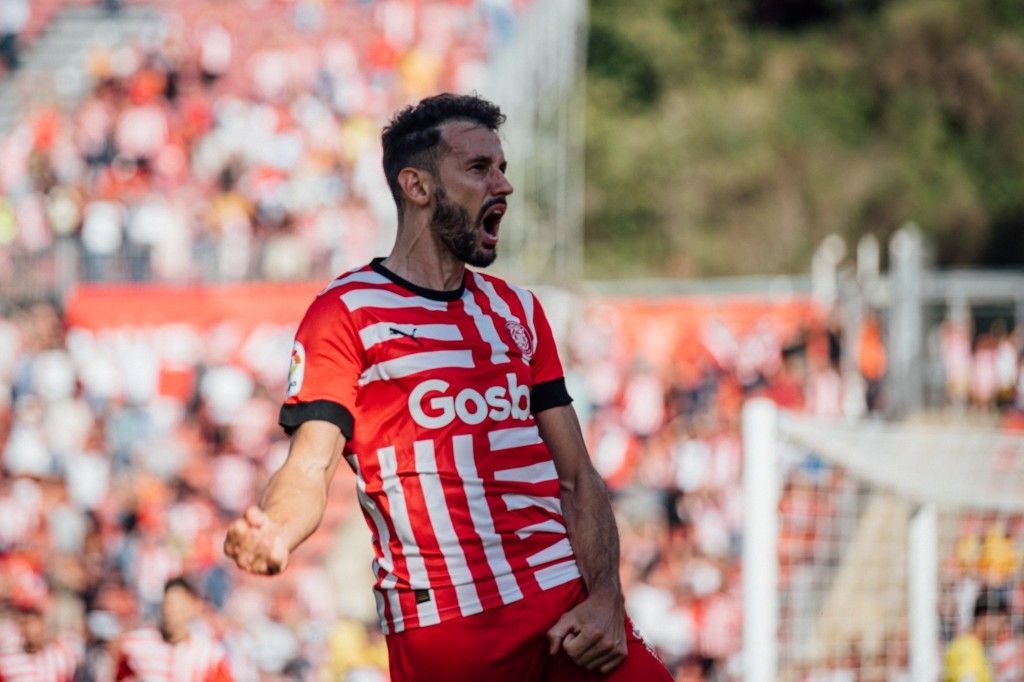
(593, 632)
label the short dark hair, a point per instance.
(182, 582)
(413, 136)
(991, 602)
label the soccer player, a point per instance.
(496, 549)
(179, 650)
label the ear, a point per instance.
(417, 186)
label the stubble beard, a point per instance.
(457, 231)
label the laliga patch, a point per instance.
(521, 337)
(297, 370)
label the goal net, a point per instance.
(880, 551)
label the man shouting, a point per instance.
(496, 550)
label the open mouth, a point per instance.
(491, 220)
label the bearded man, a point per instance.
(496, 550)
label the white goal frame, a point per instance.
(935, 467)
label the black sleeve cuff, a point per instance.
(549, 394)
(292, 416)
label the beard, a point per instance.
(457, 231)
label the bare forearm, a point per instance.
(592, 532)
(585, 506)
(592, 632)
(295, 500)
(296, 496)
(262, 539)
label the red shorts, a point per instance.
(510, 644)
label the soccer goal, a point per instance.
(868, 543)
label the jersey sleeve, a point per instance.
(548, 377)
(326, 362)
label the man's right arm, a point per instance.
(292, 504)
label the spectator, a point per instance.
(182, 648)
(967, 657)
(33, 651)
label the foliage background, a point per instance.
(730, 136)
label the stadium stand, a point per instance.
(202, 154)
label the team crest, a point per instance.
(297, 369)
(521, 337)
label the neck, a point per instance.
(419, 257)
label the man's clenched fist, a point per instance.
(592, 633)
(256, 543)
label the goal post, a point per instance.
(867, 542)
(760, 540)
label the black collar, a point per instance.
(434, 294)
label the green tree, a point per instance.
(730, 136)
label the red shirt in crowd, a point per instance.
(55, 662)
(145, 656)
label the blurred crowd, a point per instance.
(983, 369)
(204, 153)
(114, 485)
(983, 599)
(666, 437)
(982, 587)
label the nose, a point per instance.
(500, 186)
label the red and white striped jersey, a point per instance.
(435, 392)
(146, 656)
(55, 662)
